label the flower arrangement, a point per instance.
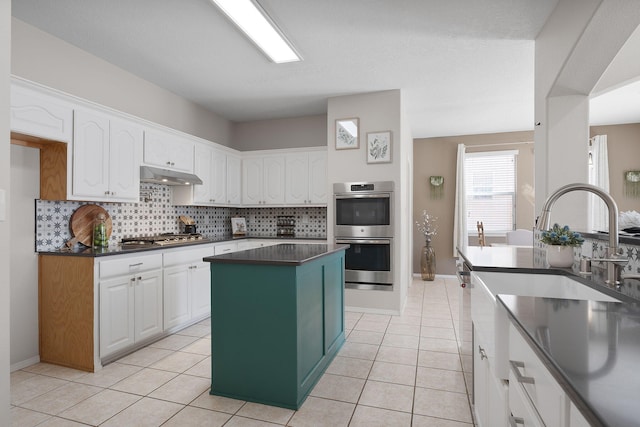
(427, 226)
(561, 236)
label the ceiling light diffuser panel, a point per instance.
(256, 24)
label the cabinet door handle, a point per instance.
(138, 264)
(515, 367)
(483, 354)
(514, 421)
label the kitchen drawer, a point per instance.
(536, 381)
(181, 256)
(522, 411)
(252, 244)
(130, 265)
(225, 248)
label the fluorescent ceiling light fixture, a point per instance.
(257, 25)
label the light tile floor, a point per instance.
(392, 371)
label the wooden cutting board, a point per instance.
(81, 224)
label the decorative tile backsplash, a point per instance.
(154, 214)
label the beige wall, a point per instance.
(623, 142)
(307, 131)
(5, 224)
(45, 59)
(437, 156)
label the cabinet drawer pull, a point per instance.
(138, 264)
(514, 421)
(515, 367)
(483, 354)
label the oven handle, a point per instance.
(363, 196)
(363, 241)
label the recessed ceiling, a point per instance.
(464, 67)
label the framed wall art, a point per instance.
(347, 134)
(379, 147)
(238, 226)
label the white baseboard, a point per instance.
(438, 276)
(372, 310)
(23, 364)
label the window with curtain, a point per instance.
(490, 181)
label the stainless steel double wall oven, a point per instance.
(364, 220)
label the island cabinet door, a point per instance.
(310, 337)
(333, 303)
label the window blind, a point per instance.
(490, 180)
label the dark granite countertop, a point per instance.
(280, 254)
(592, 349)
(83, 251)
(628, 238)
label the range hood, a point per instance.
(167, 177)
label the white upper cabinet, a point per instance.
(263, 180)
(306, 178)
(168, 151)
(106, 158)
(211, 168)
(37, 114)
(202, 168)
(234, 179)
(125, 154)
(220, 175)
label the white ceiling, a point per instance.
(464, 66)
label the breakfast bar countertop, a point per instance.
(485, 258)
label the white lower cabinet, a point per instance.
(490, 392)
(130, 302)
(225, 248)
(187, 286)
(534, 395)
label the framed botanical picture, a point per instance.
(379, 147)
(347, 132)
(238, 226)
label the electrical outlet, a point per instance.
(305, 219)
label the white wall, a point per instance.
(25, 188)
(45, 59)
(5, 224)
(378, 111)
(295, 132)
(578, 42)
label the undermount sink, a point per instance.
(490, 318)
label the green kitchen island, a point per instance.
(277, 321)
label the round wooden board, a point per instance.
(81, 223)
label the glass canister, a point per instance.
(100, 239)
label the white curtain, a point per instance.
(460, 234)
(598, 176)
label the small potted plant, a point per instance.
(560, 242)
(428, 228)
